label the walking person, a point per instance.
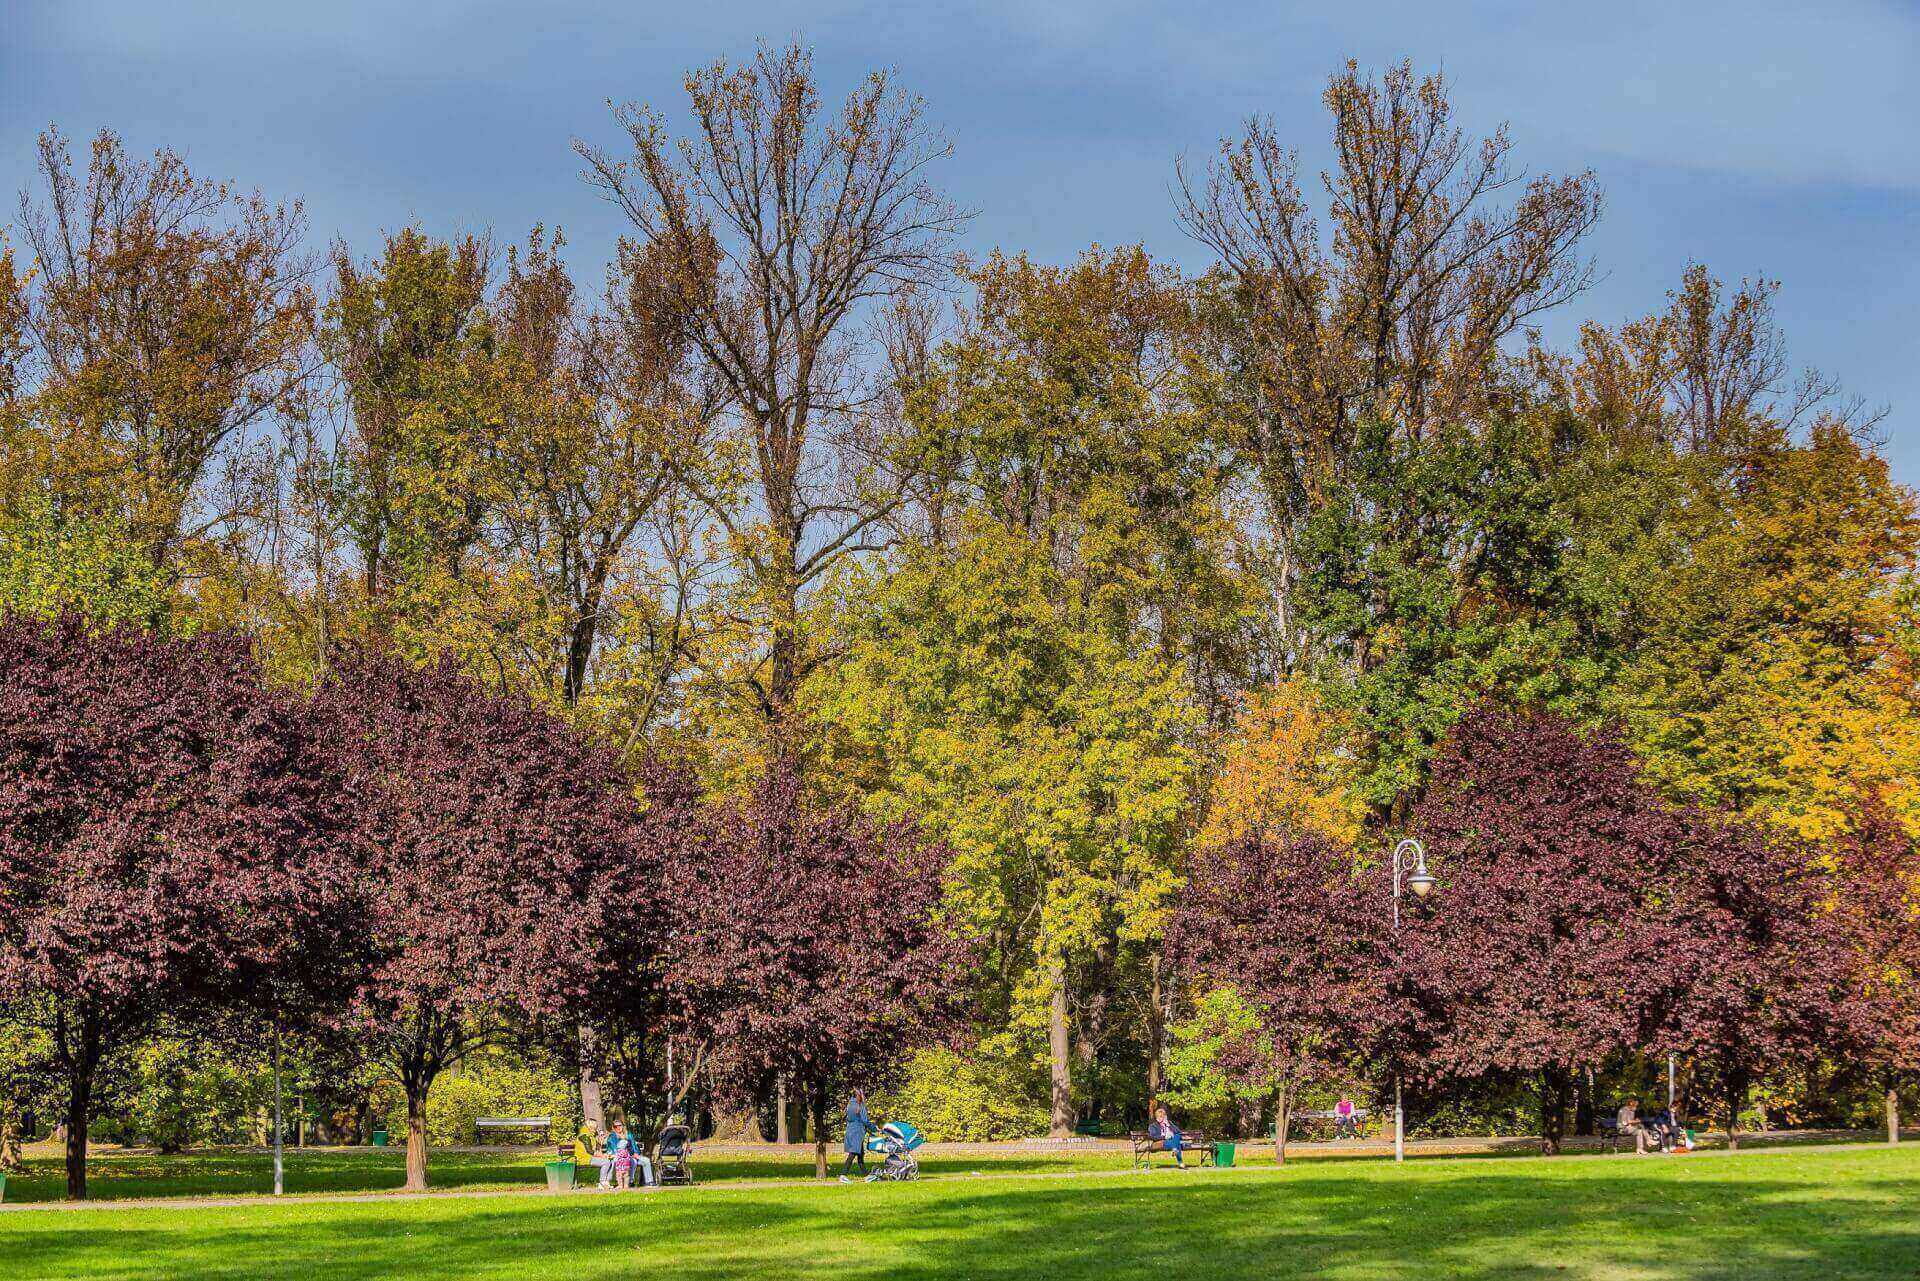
(855, 1139)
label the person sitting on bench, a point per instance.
(1628, 1122)
(587, 1152)
(1166, 1135)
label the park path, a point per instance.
(1161, 1173)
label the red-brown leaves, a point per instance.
(170, 830)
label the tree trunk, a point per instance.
(820, 1132)
(780, 1134)
(1893, 1111)
(783, 650)
(79, 1102)
(82, 1061)
(1736, 1100)
(1555, 1084)
(1059, 1050)
(1156, 1038)
(10, 1159)
(416, 1141)
(593, 1110)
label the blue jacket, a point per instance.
(857, 1126)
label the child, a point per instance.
(620, 1146)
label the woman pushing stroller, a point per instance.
(854, 1142)
(894, 1143)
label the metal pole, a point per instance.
(1399, 1114)
(279, 1168)
(1399, 1124)
(1669, 1085)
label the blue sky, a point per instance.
(1758, 137)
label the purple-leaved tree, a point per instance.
(641, 989)
(1878, 904)
(1288, 921)
(1544, 948)
(483, 819)
(819, 931)
(172, 838)
(1759, 964)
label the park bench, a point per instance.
(1607, 1130)
(1330, 1121)
(1192, 1142)
(486, 1125)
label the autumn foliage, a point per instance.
(481, 821)
(802, 643)
(822, 931)
(174, 837)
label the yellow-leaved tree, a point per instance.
(1777, 676)
(1287, 766)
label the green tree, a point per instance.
(1774, 672)
(51, 561)
(1054, 759)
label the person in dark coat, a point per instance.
(1166, 1136)
(855, 1141)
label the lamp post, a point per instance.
(1421, 882)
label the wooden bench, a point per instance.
(1192, 1143)
(485, 1125)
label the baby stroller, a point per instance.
(672, 1164)
(894, 1143)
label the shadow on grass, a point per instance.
(1820, 1220)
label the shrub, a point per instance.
(489, 1085)
(181, 1092)
(977, 1097)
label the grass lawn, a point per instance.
(1813, 1214)
(247, 1172)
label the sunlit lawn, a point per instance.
(242, 1172)
(1813, 1214)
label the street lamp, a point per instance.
(1421, 882)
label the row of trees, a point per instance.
(1083, 569)
(1580, 920)
(414, 868)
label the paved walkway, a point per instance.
(1757, 1145)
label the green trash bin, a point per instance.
(1223, 1154)
(379, 1138)
(560, 1176)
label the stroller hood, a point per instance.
(895, 1136)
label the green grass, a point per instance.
(1809, 1214)
(245, 1172)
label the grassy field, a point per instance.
(1814, 1214)
(246, 1172)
